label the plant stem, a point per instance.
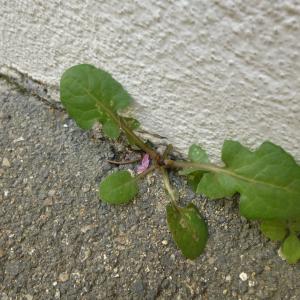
(168, 187)
(125, 162)
(151, 169)
(119, 120)
(167, 151)
(183, 164)
(137, 141)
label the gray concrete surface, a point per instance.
(58, 241)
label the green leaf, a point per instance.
(118, 188)
(291, 249)
(193, 180)
(274, 230)
(111, 129)
(188, 229)
(132, 124)
(268, 180)
(295, 226)
(196, 154)
(90, 94)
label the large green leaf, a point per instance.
(90, 94)
(291, 248)
(118, 188)
(188, 229)
(268, 180)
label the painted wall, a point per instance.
(200, 71)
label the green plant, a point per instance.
(268, 179)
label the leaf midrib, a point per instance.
(221, 170)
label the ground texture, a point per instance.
(58, 241)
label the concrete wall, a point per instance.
(200, 71)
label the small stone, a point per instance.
(86, 228)
(86, 188)
(28, 297)
(243, 276)
(63, 277)
(4, 296)
(267, 268)
(6, 192)
(57, 294)
(2, 253)
(165, 242)
(225, 292)
(20, 139)
(211, 260)
(228, 278)
(5, 162)
(85, 254)
(51, 193)
(48, 202)
(251, 283)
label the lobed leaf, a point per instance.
(118, 188)
(267, 179)
(90, 95)
(188, 229)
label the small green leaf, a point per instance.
(196, 154)
(111, 129)
(267, 179)
(90, 94)
(291, 248)
(118, 188)
(188, 229)
(274, 230)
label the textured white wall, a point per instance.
(200, 71)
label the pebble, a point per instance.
(63, 277)
(2, 252)
(243, 276)
(20, 139)
(86, 188)
(251, 283)
(5, 163)
(165, 242)
(228, 278)
(48, 202)
(57, 294)
(211, 260)
(51, 193)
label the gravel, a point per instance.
(58, 241)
